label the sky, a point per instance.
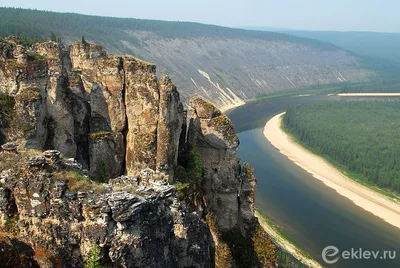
(328, 15)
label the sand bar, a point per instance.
(368, 94)
(378, 204)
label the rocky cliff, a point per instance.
(99, 165)
(99, 109)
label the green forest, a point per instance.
(372, 88)
(360, 137)
(109, 31)
(40, 24)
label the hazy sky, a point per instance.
(342, 15)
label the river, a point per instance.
(311, 214)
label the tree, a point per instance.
(84, 41)
(103, 173)
(53, 37)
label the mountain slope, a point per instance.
(225, 65)
(382, 46)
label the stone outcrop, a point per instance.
(121, 169)
(228, 186)
(136, 221)
(68, 97)
(170, 126)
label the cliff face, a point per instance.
(115, 143)
(93, 107)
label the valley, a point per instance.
(132, 137)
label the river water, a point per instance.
(311, 214)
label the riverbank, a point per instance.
(369, 94)
(284, 243)
(374, 202)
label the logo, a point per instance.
(330, 254)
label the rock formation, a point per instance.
(98, 109)
(120, 171)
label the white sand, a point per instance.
(364, 197)
(369, 94)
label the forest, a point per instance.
(40, 24)
(360, 137)
(372, 88)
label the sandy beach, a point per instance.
(364, 197)
(368, 94)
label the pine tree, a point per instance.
(84, 41)
(53, 37)
(103, 173)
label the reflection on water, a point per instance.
(311, 214)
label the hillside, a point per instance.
(383, 46)
(225, 65)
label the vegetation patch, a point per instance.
(94, 258)
(34, 56)
(29, 42)
(103, 173)
(8, 160)
(11, 225)
(6, 109)
(256, 251)
(264, 247)
(101, 135)
(372, 88)
(224, 125)
(29, 94)
(189, 176)
(78, 182)
(362, 138)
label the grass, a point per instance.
(78, 182)
(8, 160)
(281, 233)
(180, 186)
(343, 169)
(100, 135)
(34, 56)
(265, 249)
(29, 94)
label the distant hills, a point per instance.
(227, 66)
(379, 50)
(384, 46)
